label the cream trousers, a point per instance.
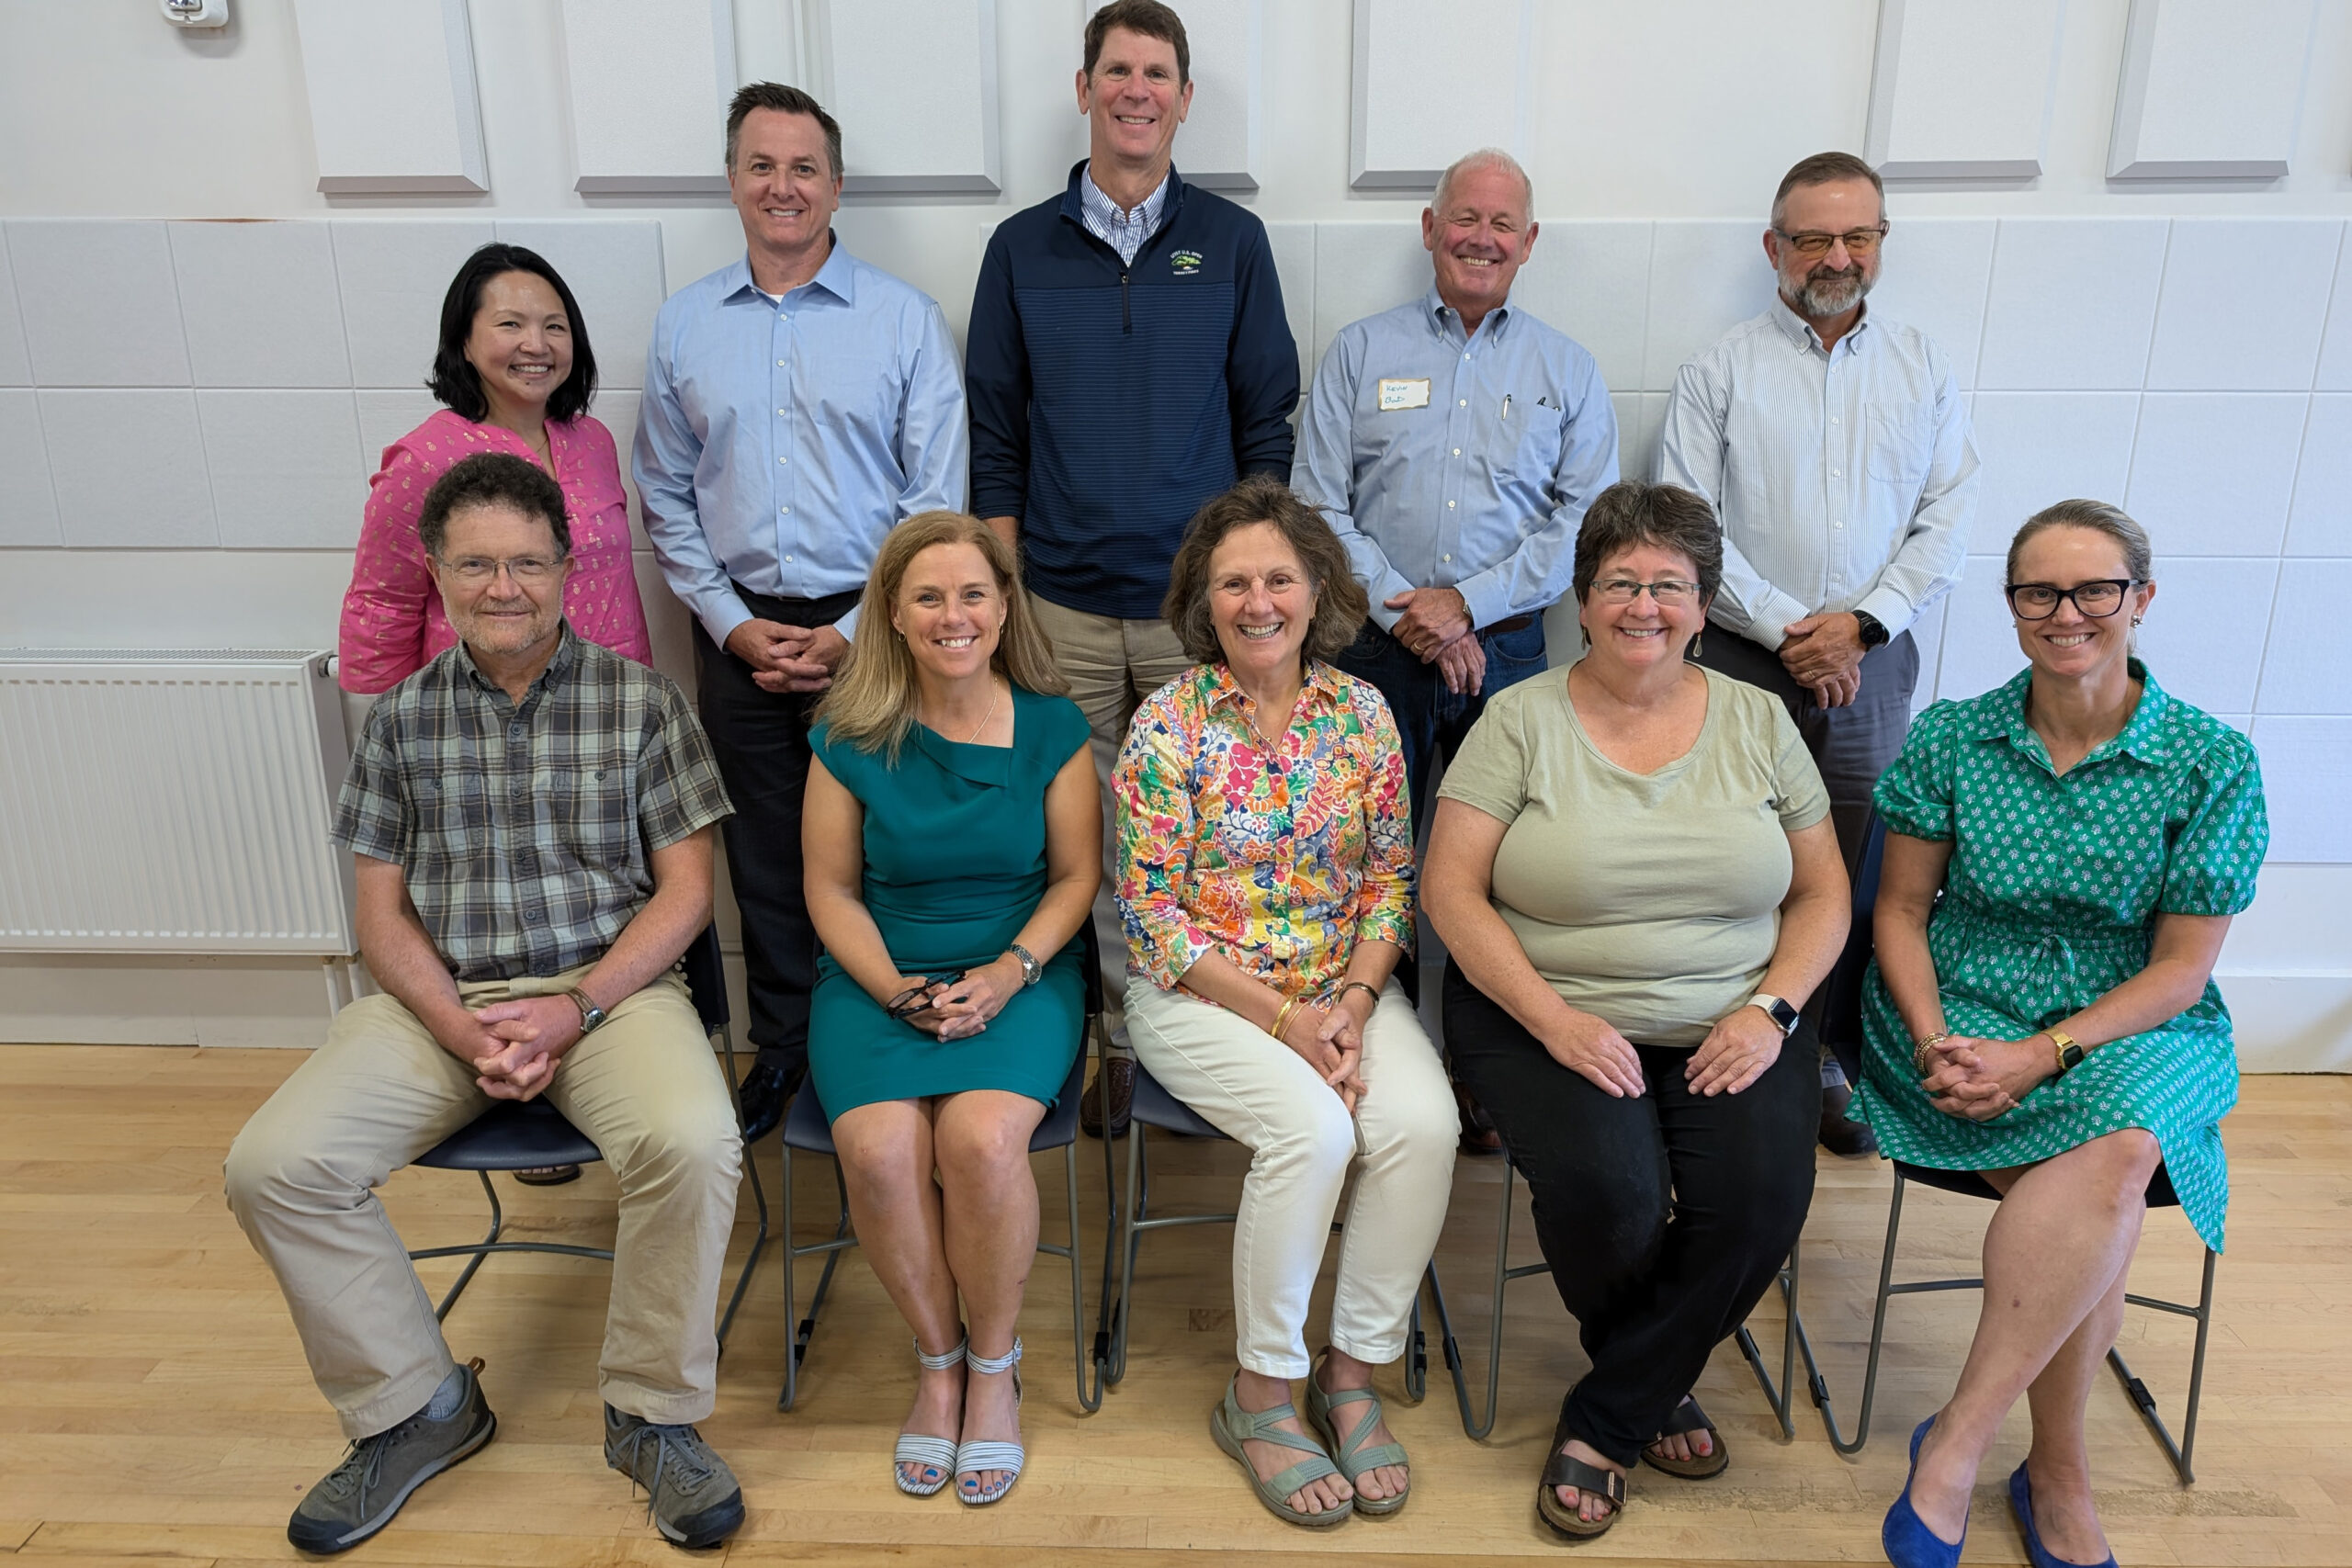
(1302, 1143)
(645, 1089)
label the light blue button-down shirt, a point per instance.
(779, 441)
(1447, 462)
(1125, 231)
(1844, 480)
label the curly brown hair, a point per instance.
(1340, 603)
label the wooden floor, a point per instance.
(154, 1408)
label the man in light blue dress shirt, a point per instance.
(1834, 448)
(798, 405)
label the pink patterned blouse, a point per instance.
(392, 620)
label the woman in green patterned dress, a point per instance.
(2051, 1020)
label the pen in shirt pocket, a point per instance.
(1505, 405)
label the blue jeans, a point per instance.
(1432, 721)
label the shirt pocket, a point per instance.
(1527, 444)
(1901, 437)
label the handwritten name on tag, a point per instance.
(1397, 393)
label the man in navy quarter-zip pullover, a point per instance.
(1129, 358)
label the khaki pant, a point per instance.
(645, 1089)
(1112, 666)
(1262, 1095)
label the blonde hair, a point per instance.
(872, 701)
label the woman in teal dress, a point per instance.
(952, 835)
(2051, 1020)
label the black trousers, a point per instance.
(1665, 1218)
(762, 741)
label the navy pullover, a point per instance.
(1109, 402)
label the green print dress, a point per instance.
(2049, 900)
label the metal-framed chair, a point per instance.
(513, 1135)
(808, 1129)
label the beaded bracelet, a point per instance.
(1920, 1061)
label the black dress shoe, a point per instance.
(1840, 1136)
(761, 1102)
(1122, 1071)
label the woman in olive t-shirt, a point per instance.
(1633, 869)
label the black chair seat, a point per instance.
(1969, 1184)
(511, 1136)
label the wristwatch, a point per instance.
(1779, 1012)
(2070, 1056)
(1874, 631)
(591, 1017)
(1031, 970)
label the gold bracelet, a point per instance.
(1282, 1016)
(1359, 985)
(1920, 1061)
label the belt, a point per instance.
(1509, 623)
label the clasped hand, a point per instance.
(1330, 1040)
(1981, 1078)
(520, 1044)
(787, 658)
(962, 1008)
(1824, 653)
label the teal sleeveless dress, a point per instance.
(954, 840)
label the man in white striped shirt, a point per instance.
(1835, 448)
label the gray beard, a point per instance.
(1830, 296)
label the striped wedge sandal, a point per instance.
(972, 1458)
(935, 1456)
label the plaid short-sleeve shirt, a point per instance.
(525, 829)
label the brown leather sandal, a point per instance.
(1563, 1469)
(1689, 1417)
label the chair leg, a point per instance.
(759, 1195)
(1779, 1396)
(497, 1223)
(1089, 1400)
(791, 1252)
(1121, 1316)
(1105, 1330)
(2182, 1454)
(1878, 1339)
(1478, 1425)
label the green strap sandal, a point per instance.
(1231, 1427)
(1351, 1454)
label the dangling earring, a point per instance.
(1692, 651)
(2135, 620)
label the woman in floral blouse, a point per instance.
(1266, 880)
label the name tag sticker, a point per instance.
(1395, 393)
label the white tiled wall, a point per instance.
(173, 387)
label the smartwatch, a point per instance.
(2070, 1056)
(1031, 970)
(1779, 1012)
(591, 1017)
(1874, 631)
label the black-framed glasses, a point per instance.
(2098, 598)
(1667, 590)
(1813, 242)
(919, 999)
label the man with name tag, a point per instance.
(798, 405)
(1834, 448)
(1456, 441)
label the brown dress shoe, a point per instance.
(1850, 1139)
(1121, 1071)
(1478, 1134)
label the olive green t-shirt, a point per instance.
(1650, 900)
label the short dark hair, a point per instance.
(783, 100)
(454, 380)
(1146, 18)
(1340, 603)
(1630, 514)
(1824, 169)
(493, 479)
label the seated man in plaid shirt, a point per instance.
(531, 815)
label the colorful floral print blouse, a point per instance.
(1282, 863)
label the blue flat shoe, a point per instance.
(1908, 1543)
(2022, 1503)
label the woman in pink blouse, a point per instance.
(516, 371)
(1266, 880)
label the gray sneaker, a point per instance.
(360, 1495)
(690, 1493)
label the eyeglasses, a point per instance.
(1666, 590)
(1858, 241)
(522, 568)
(2099, 599)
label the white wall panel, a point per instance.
(1961, 89)
(393, 275)
(1592, 282)
(2245, 302)
(286, 467)
(616, 410)
(387, 415)
(1361, 269)
(27, 503)
(1980, 648)
(2305, 759)
(1221, 144)
(129, 467)
(1293, 245)
(1928, 631)
(2311, 641)
(648, 83)
(2209, 89)
(2212, 472)
(393, 104)
(2039, 447)
(1425, 92)
(2073, 303)
(176, 598)
(1705, 278)
(1936, 275)
(2207, 627)
(2320, 523)
(2335, 347)
(614, 269)
(260, 304)
(15, 365)
(104, 310)
(914, 86)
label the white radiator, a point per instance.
(170, 802)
